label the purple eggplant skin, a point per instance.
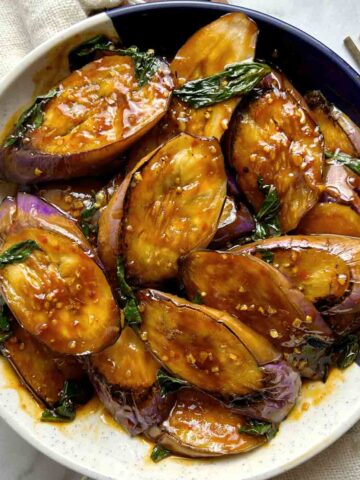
(135, 412)
(25, 167)
(59, 238)
(235, 221)
(278, 397)
(33, 212)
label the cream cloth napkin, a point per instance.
(24, 24)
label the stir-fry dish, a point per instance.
(183, 241)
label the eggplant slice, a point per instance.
(197, 345)
(59, 293)
(218, 354)
(72, 197)
(40, 370)
(229, 39)
(127, 363)
(169, 204)
(274, 139)
(124, 377)
(340, 133)
(341, 186)
(235, 221)
(330, 218)
(257, 294)
(201, 426)
(99, 111)
(337, 302)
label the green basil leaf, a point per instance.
(197, 299)
(4, 319)
(78, 391)
(75, 392)
(145, 63)
(168, 383)
(88, 212)
(344, 159)
(131, 313)
(89, 230)
(159, 453)
(258, 428)
(267, 219)
(63, 413)
(131, 310)
(266, 255)
(125, 289)
(30, 119)
(270, 207)
(316, 354)
(5, 324)
(236, 79)
(18, 253)
(87, 227)
(346, 351)
(100, 42)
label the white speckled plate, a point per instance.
(91, 444)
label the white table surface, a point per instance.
(328, 20)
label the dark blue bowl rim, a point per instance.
(254, 14)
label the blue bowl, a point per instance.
(307, 62)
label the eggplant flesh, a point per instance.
(273, 308)
(59, 293)
(201, 56)
(98, 113)
(347, 249)
(340, 133)
(196, 345)
(40, 370)
(330, 218)
(201, 426)
(318, 275)
(124, 377)
(172, 205)
(73, 197)
(274, 139)
(127, 363)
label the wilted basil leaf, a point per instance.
(168, 383)
(145, 63)
(131, 310)
(159, 453)
(316, 354)
(18, 253)
(267, 218)
(266, 255)
(236, 79)
(346, 351)
(5, 325)
(197, 299)
(344, 159)
(259, 428)
(30, 119)
(74, 393)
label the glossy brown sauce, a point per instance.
(313, 393)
